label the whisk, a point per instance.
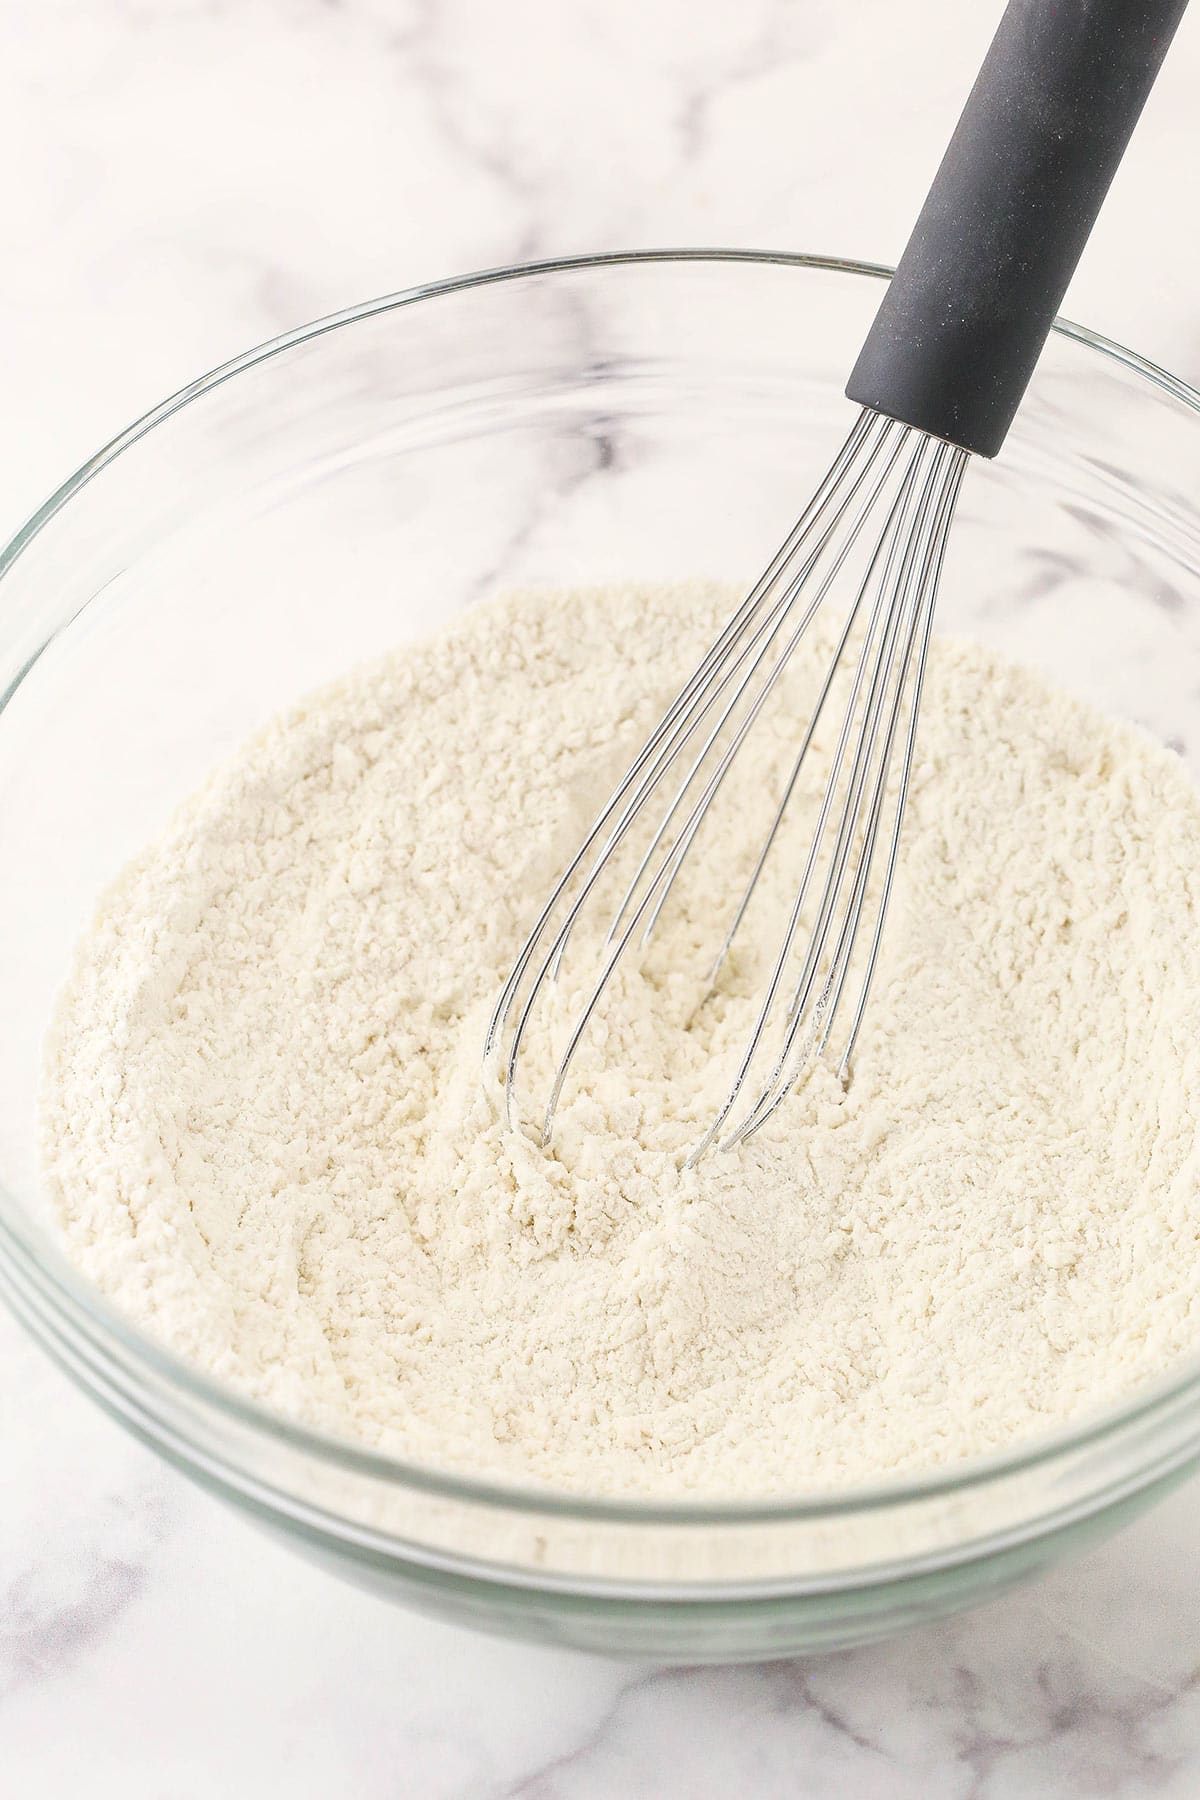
(939, 378)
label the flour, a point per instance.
(266, 1137)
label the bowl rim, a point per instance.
(70, 1292)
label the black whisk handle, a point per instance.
(963, 322)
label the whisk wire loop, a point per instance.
(915, 480)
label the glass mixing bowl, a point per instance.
(356, 483)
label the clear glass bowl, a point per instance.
(358, 482)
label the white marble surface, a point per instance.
(183, 178)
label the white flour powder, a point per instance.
(267, 1141)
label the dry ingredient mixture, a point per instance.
(267, 1139)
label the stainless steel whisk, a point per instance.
(940, 377)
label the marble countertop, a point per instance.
(185, 178)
